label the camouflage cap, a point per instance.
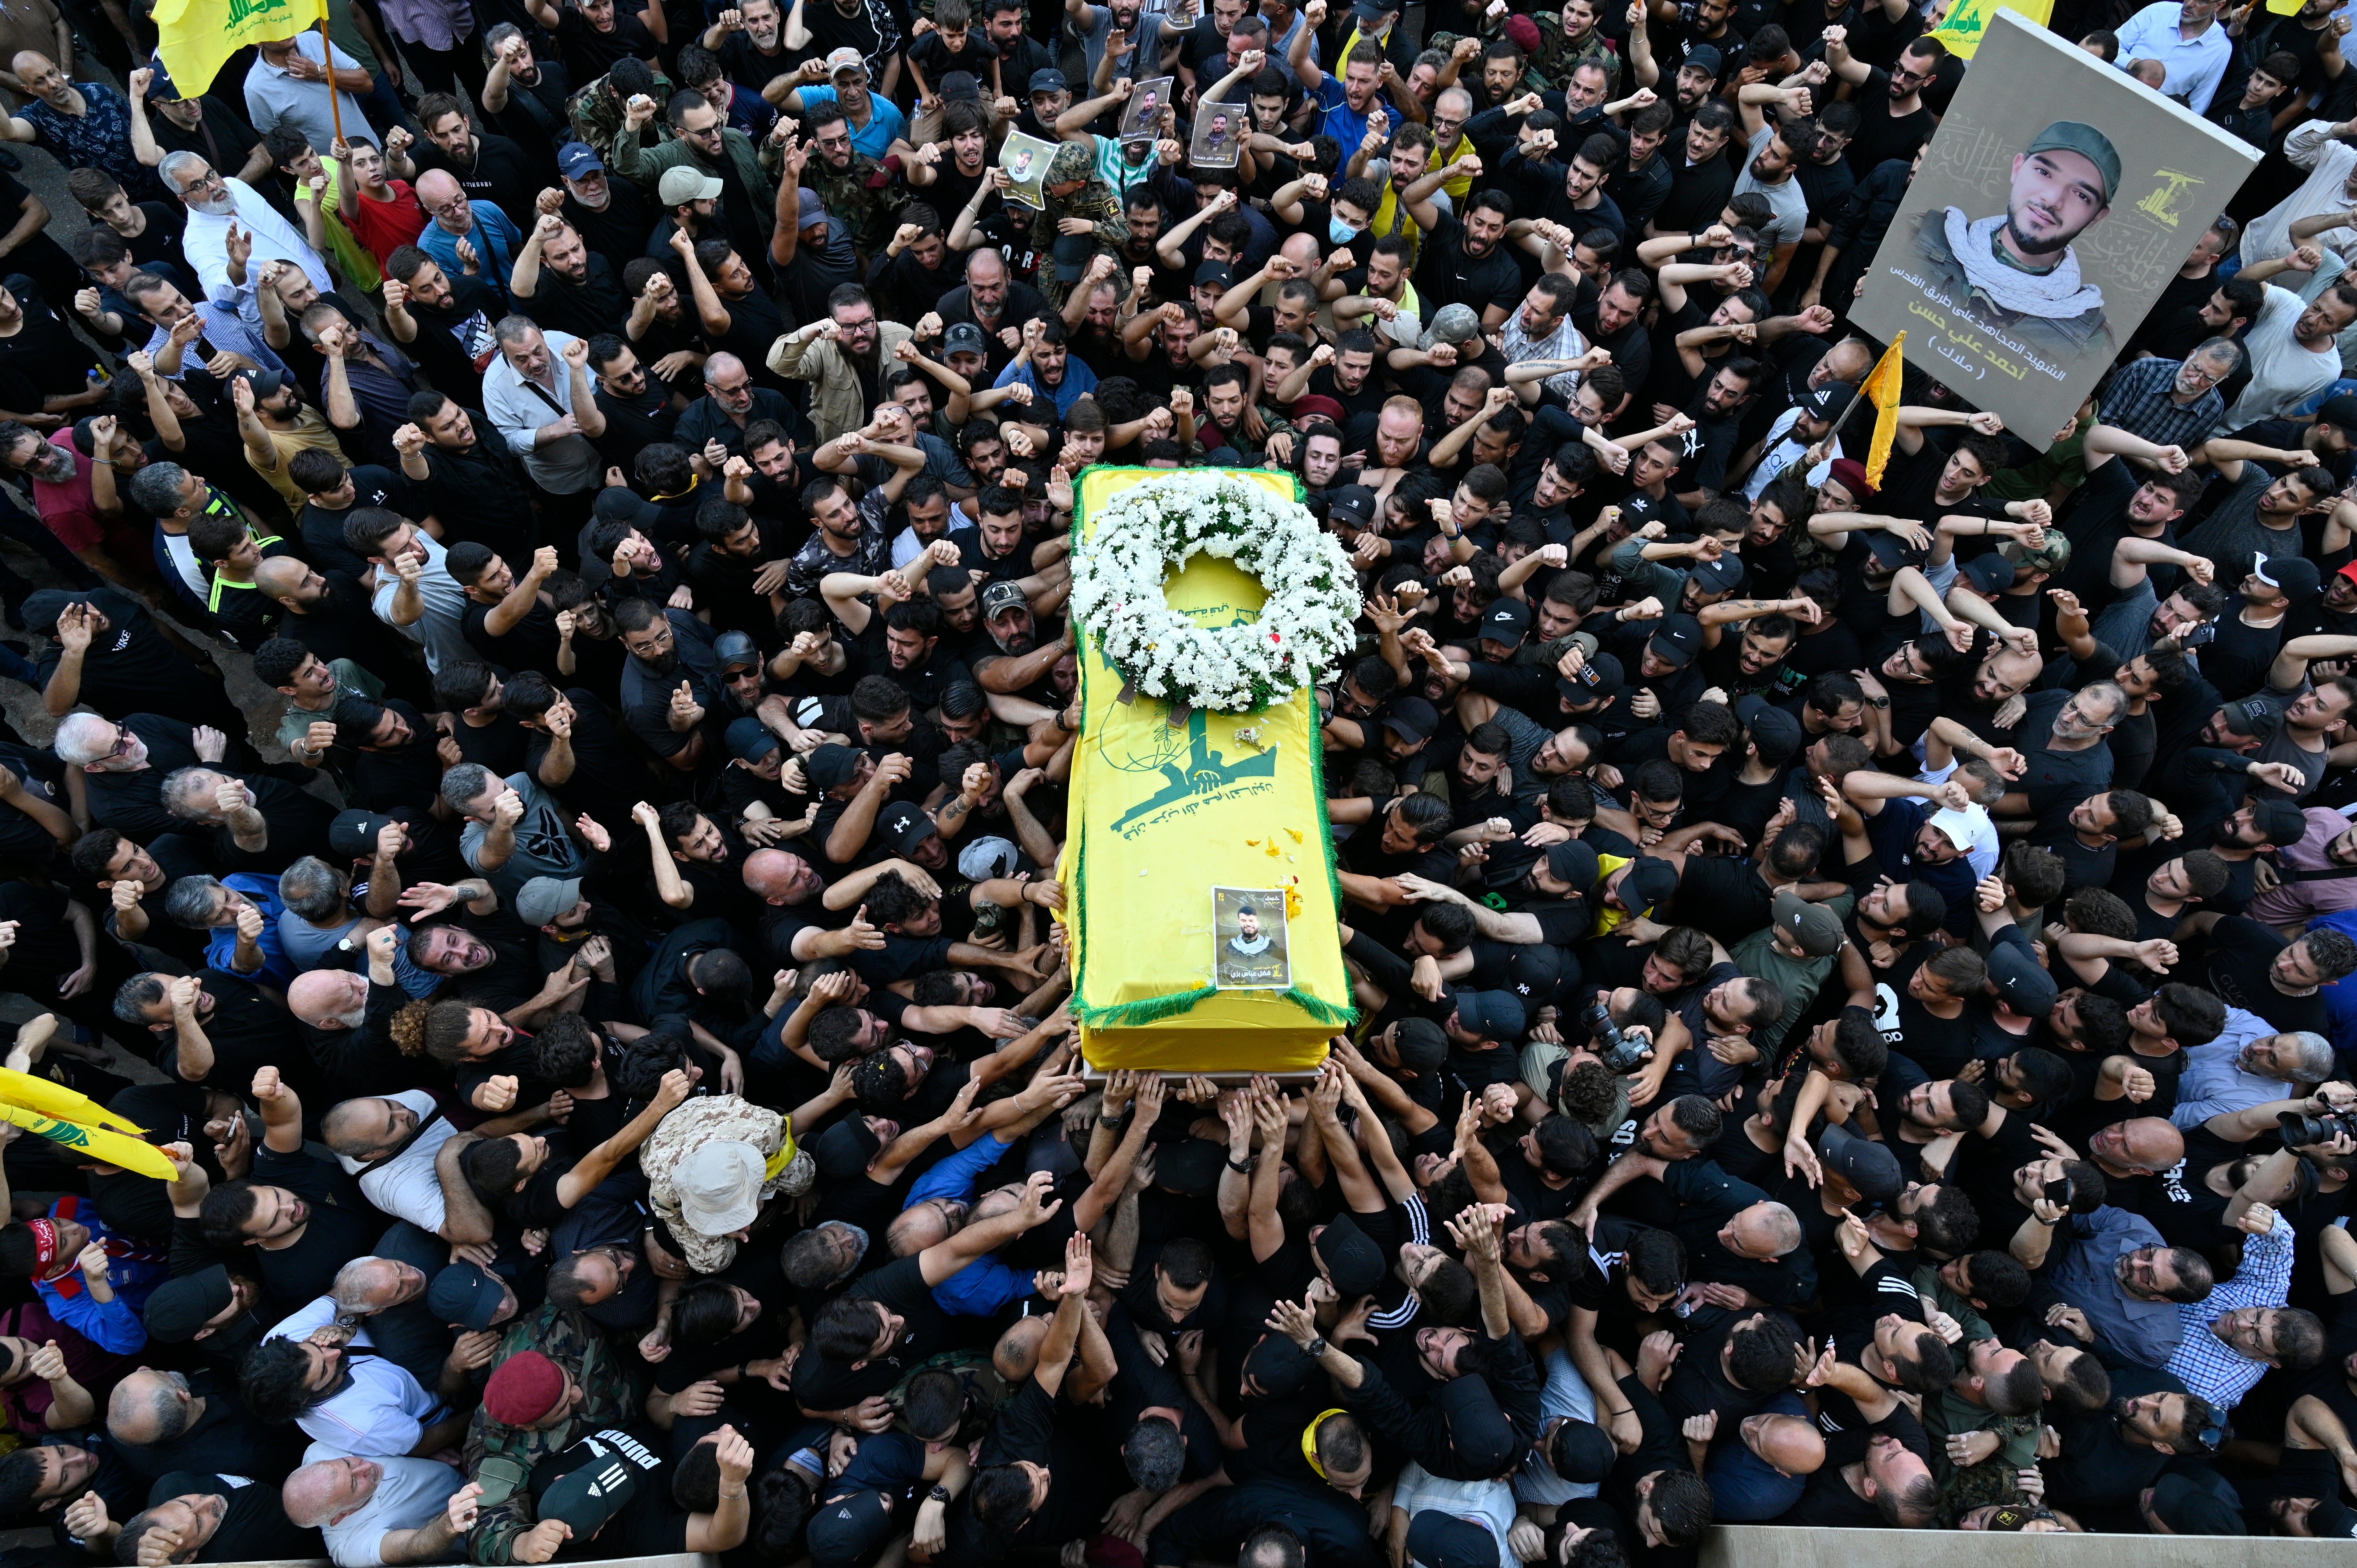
(2078, 137)
(1075, 160)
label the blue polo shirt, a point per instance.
(883, 126)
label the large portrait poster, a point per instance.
(2031, 244)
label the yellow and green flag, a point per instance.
(195, 37)
(1968, 19)
(69, 1117)
(1881, 384)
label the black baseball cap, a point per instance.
(1412, 719)
(2023, 985)
(1678, 643)
(1866, 1165)
(1352, 504)
(1438, 1539)
(1775, 732)
(1493, 1015)
(1507, 621)
(1649, 883)
(181, 1307)
(465, 1296)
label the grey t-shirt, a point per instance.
(545, 844)
(1789, 200)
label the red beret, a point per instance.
(525, 1388)
(1525, 33)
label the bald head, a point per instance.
(725, 365)
(774, 875)
(330, 999)
(1017, 1351)
(2150, 1143)
(371, 1284)
(30, 63)
(148, 1407)
(1763, 1230)
(1787, 1443)
(436, 189)
(281, 575)
(324, 1492)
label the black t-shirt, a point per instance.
(1830, 1502)
(253, 1526)
(1723, 897)
(340, 1226)
(1880, 135)
(2241, 952)
(590, 54)
(819, 1384)
(1446, 274)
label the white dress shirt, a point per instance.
(206, 243)
(2196, 65)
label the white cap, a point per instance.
(1963, 828)
(720, 1187)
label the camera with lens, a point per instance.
(1621, 1053)
(2300, 1128)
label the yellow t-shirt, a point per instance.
(1608, 918)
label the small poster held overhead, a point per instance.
(1219, 131)
(1025, 160)
(1141, 117)
(2030, 246)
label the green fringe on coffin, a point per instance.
(1154, 1009)
(1325, 1012)
(1137, 1014)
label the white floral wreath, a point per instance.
(1150, 530)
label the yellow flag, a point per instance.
(1881, 384)
(195, 37)
(96, 1143)
(55, 1099)
(1968, 19)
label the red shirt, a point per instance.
(383, 226)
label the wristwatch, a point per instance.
(1879, 701)
(939, 1494)
(1246, 1168)
(1316, 1347)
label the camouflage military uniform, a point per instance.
(1093, 201)
(596, 116)
(501, 1456)
(1552, 65)
(851, 200)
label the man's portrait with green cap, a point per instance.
(2016, 272)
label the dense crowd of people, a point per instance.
(1846, 966)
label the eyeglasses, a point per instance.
(206, 178)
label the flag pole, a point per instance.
(327, 59)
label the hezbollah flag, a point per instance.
(1881, 385)
(1968, 20)
(195, 37)
(69, 1117)
(1181, 822)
